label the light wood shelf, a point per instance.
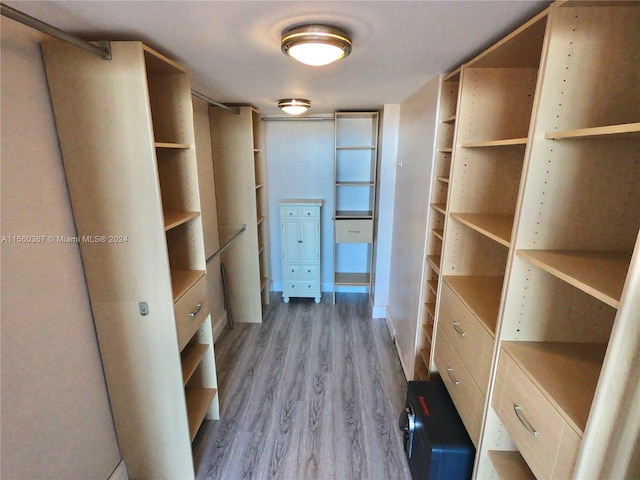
(431, 309)
(495, 226)
(425, 353)
(183, 280)
(626, 129)
(260, 219)
(191, 357)
(440, 207)
(434, 261)
(445, 150)
(198, 401)
(481, 295)
(443, 179)
(263, 282)
(427, 329)
(450, 119)
(352, 279)
(510, 142)
(599, 274)
(176, 146)
(175, 219)
(260, 185)
(422, 373)
(510, 465)
(439, 233)
(433, 286)
(567, 374)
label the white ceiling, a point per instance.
(232, 48)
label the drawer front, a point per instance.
(468, 337)
(302, 272)
(468, 400)
(289, 212)
(290, 272)
(354, 231)
(301, 288)
(533, 424)
(190, 311)
(310, 212)
(309, 272)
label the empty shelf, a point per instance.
(496, 227)
(627, 129)
(481, 295)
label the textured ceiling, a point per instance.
(232, 48)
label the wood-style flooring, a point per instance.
(314, 392)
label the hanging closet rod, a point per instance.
(226, 245)
(103, 50)
(201, 96)
(297, 119)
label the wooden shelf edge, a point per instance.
(174, 146)
(509, 142)
(198, 402)
(631, 129)
(497, 227)
(450, 119)
(509, 465)
(175, 219)
(183, 280)
(443, 179)
(356, 279)
(439, 207)
(439, 233)
(434, 261)
(192, 355)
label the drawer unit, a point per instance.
(466, 396)
(547, 443)
(300, 243)
(354, 231)
(471, 341)
(191, 310)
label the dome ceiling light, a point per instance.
(294, 106)
(315, 45)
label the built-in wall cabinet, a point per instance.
(240, 169)
(356, 162)
(534, 218)
(127, 139)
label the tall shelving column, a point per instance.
(126, 134)
(448, 102)
(577, 226)
(494, 112)
(356, 159)
(239, 165)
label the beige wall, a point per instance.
(56, 421)
(413, 171)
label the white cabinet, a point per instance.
(300, 225)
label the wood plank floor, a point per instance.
(314, 392)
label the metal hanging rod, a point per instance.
(103, 50)
(297, 119)
(226, 245)
(201, 96)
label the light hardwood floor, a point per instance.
(314, 392)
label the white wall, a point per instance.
(386, 197)
(56, 420)
(415, 159)
(300, 158)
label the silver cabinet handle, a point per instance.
(453, 379)
(459, 331)
(525, 423)
(196, 311)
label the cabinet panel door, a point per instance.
(310, 241)
(290, 241)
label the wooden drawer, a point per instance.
(190, 311)
(309, 212)
(468, 337)
(544, 439)
(300, 288)
(354, 231)
(466, 396)
(289, 212)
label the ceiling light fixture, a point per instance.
(315, 45)
(294, 106)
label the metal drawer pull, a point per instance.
(525, 423)
(453, 379)
(196, 311)
(458, 330)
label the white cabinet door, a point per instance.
(291, 240)
(310, 230)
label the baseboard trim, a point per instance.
(120, 472)
(380, 311)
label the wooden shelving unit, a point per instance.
(355, 168)
(510, 465)
(148, 294)
(239, 163)
(495, 226)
